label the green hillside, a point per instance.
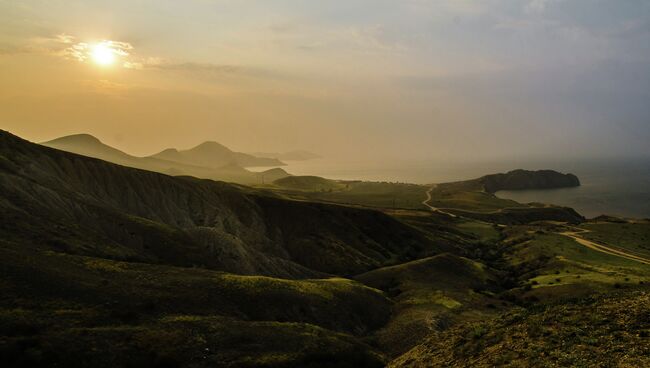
(308, 183)
(79, 311)
(363, 193)
(430, 294)
(110, 266)
(599, 331)
(79, 205)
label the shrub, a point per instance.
(478, 332)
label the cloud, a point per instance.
(64, 38)
(192, 66)
(82, 51)
(70, 48)
(38, 45)
(310, 37)
(538, 6)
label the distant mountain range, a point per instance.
(103, 265)
(130, 254)
(124, 213)
(209, 160)
(289, 156)
(215, 155)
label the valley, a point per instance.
(102, 261)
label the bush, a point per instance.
(478, 332)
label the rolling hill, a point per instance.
(90, 207)
(430, 294)
(105, 265)
(87, 145)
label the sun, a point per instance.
(103, 54)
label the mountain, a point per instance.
(168, 163)
(87, 145)
(214, 155)
(298, 155)
(104, 265)
(91, 207)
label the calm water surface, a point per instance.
(613, 187)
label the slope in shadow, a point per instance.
(75, 204)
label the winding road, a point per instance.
(575, 235)
(435, 209)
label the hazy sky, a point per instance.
(447, 79)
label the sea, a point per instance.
(616, 187)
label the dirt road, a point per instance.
(575, 235)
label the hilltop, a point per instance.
(223, 167)
(525, 179)
(104, 209)
(214, 155)
(106, 265)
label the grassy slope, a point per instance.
(308, 183)
(61, 305)
(614, 333)
(370, 194)
(469, 196)
(84, 311)
(550, 271)
(86, 206)
(470, 199)
(384, 195)
(431, 294)
(534, 265)
(558, 267)
(90, 268)
(434, 293)
(631, 237)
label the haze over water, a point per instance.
(615, 187)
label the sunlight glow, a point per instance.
(103, 54)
